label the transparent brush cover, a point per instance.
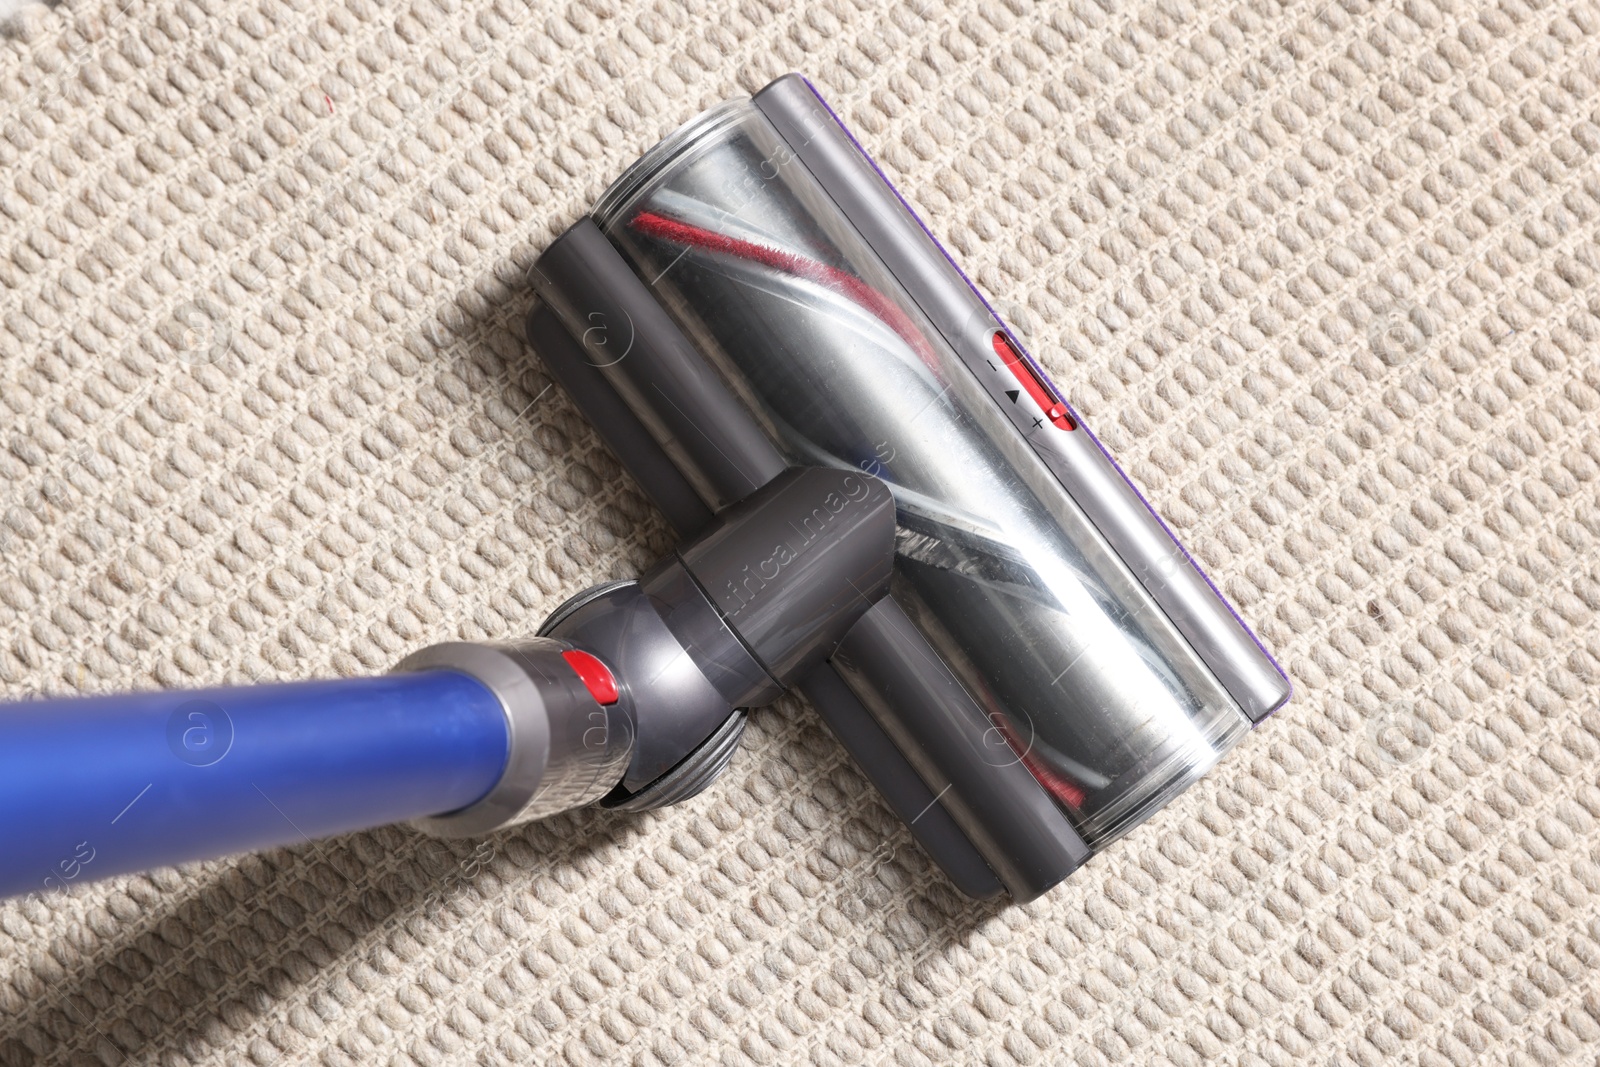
(1086, 681)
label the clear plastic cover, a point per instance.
(1085, 680)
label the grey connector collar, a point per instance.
(772, 586)
(565, 749)
(662, 689)
(796, 564)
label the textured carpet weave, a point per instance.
(1323, 275)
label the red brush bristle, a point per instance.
(679, 232)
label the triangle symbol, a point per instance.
(1013, 394)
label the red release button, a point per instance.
(594, 675)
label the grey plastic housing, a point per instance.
(690, 777)
(569, 364)
(626, 336)
(697, 627)
(770, 586)
(793, 567)
(957, 750)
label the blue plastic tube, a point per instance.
(104, 785)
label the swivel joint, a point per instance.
(727, 622)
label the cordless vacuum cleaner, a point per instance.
(884, 504)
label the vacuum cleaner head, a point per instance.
(1049, 667)
(883, 503)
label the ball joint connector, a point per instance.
(883, 503)
(727, 622)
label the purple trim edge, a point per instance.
(1057, 391)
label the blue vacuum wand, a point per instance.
(627, 698)
(105, 785)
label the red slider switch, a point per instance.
(1039, 392)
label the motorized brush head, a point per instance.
(1049, 667)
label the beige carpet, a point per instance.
(1322, 274)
